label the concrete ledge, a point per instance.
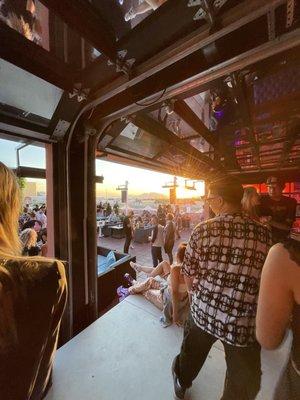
(126, 354)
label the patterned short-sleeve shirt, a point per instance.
(225, 256)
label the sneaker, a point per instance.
(179, 391)
(130, 15)
(164, 323)
(135, 266)
(122, 292)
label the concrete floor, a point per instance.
(142, 251)
(126, 354)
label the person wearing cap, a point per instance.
(222, 267)
(277, 211)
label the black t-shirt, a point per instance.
(281, 211)
(127, 228)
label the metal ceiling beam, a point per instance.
(111, 133)
(259, 176)
(65, 113)
(188, 115)
(16, 137)
(155, 128)
(126, 104)
(126, 160)
(25, 54)
(21, 123)
(292, 135)
(87, 20)
(132, 153)
(238, 88)
(28, 172)
(23, 133)
(235, 18)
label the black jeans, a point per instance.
(169, 251)
(128, 239)
(156, 255)
(243, 375)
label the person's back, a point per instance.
(226, 256)
(159, 237)
(36, 291)
(222, 267)
(32, 300)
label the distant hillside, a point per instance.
(150, 196)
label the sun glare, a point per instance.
(183, 193)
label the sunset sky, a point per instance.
(139, 180)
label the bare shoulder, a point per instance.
(281, 267)
(281, 256)
(278, 258)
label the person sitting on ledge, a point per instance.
(33, 295)
(169, 294)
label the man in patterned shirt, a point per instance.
(222, 268)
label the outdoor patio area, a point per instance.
(142, 251)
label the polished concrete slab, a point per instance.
(126, 354)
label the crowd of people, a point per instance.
(33, 230)
(236, 280)
(105, 209)
(166, 225)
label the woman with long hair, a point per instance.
(250, 202)
(279, 309)
(32, 299)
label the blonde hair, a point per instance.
(9, 213)
(10, 249)
(28, 237)
(250, 200)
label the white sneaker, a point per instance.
(130, 15)
(135, 266)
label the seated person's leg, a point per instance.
(141, 268)
(162, 269)
(149, 283)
